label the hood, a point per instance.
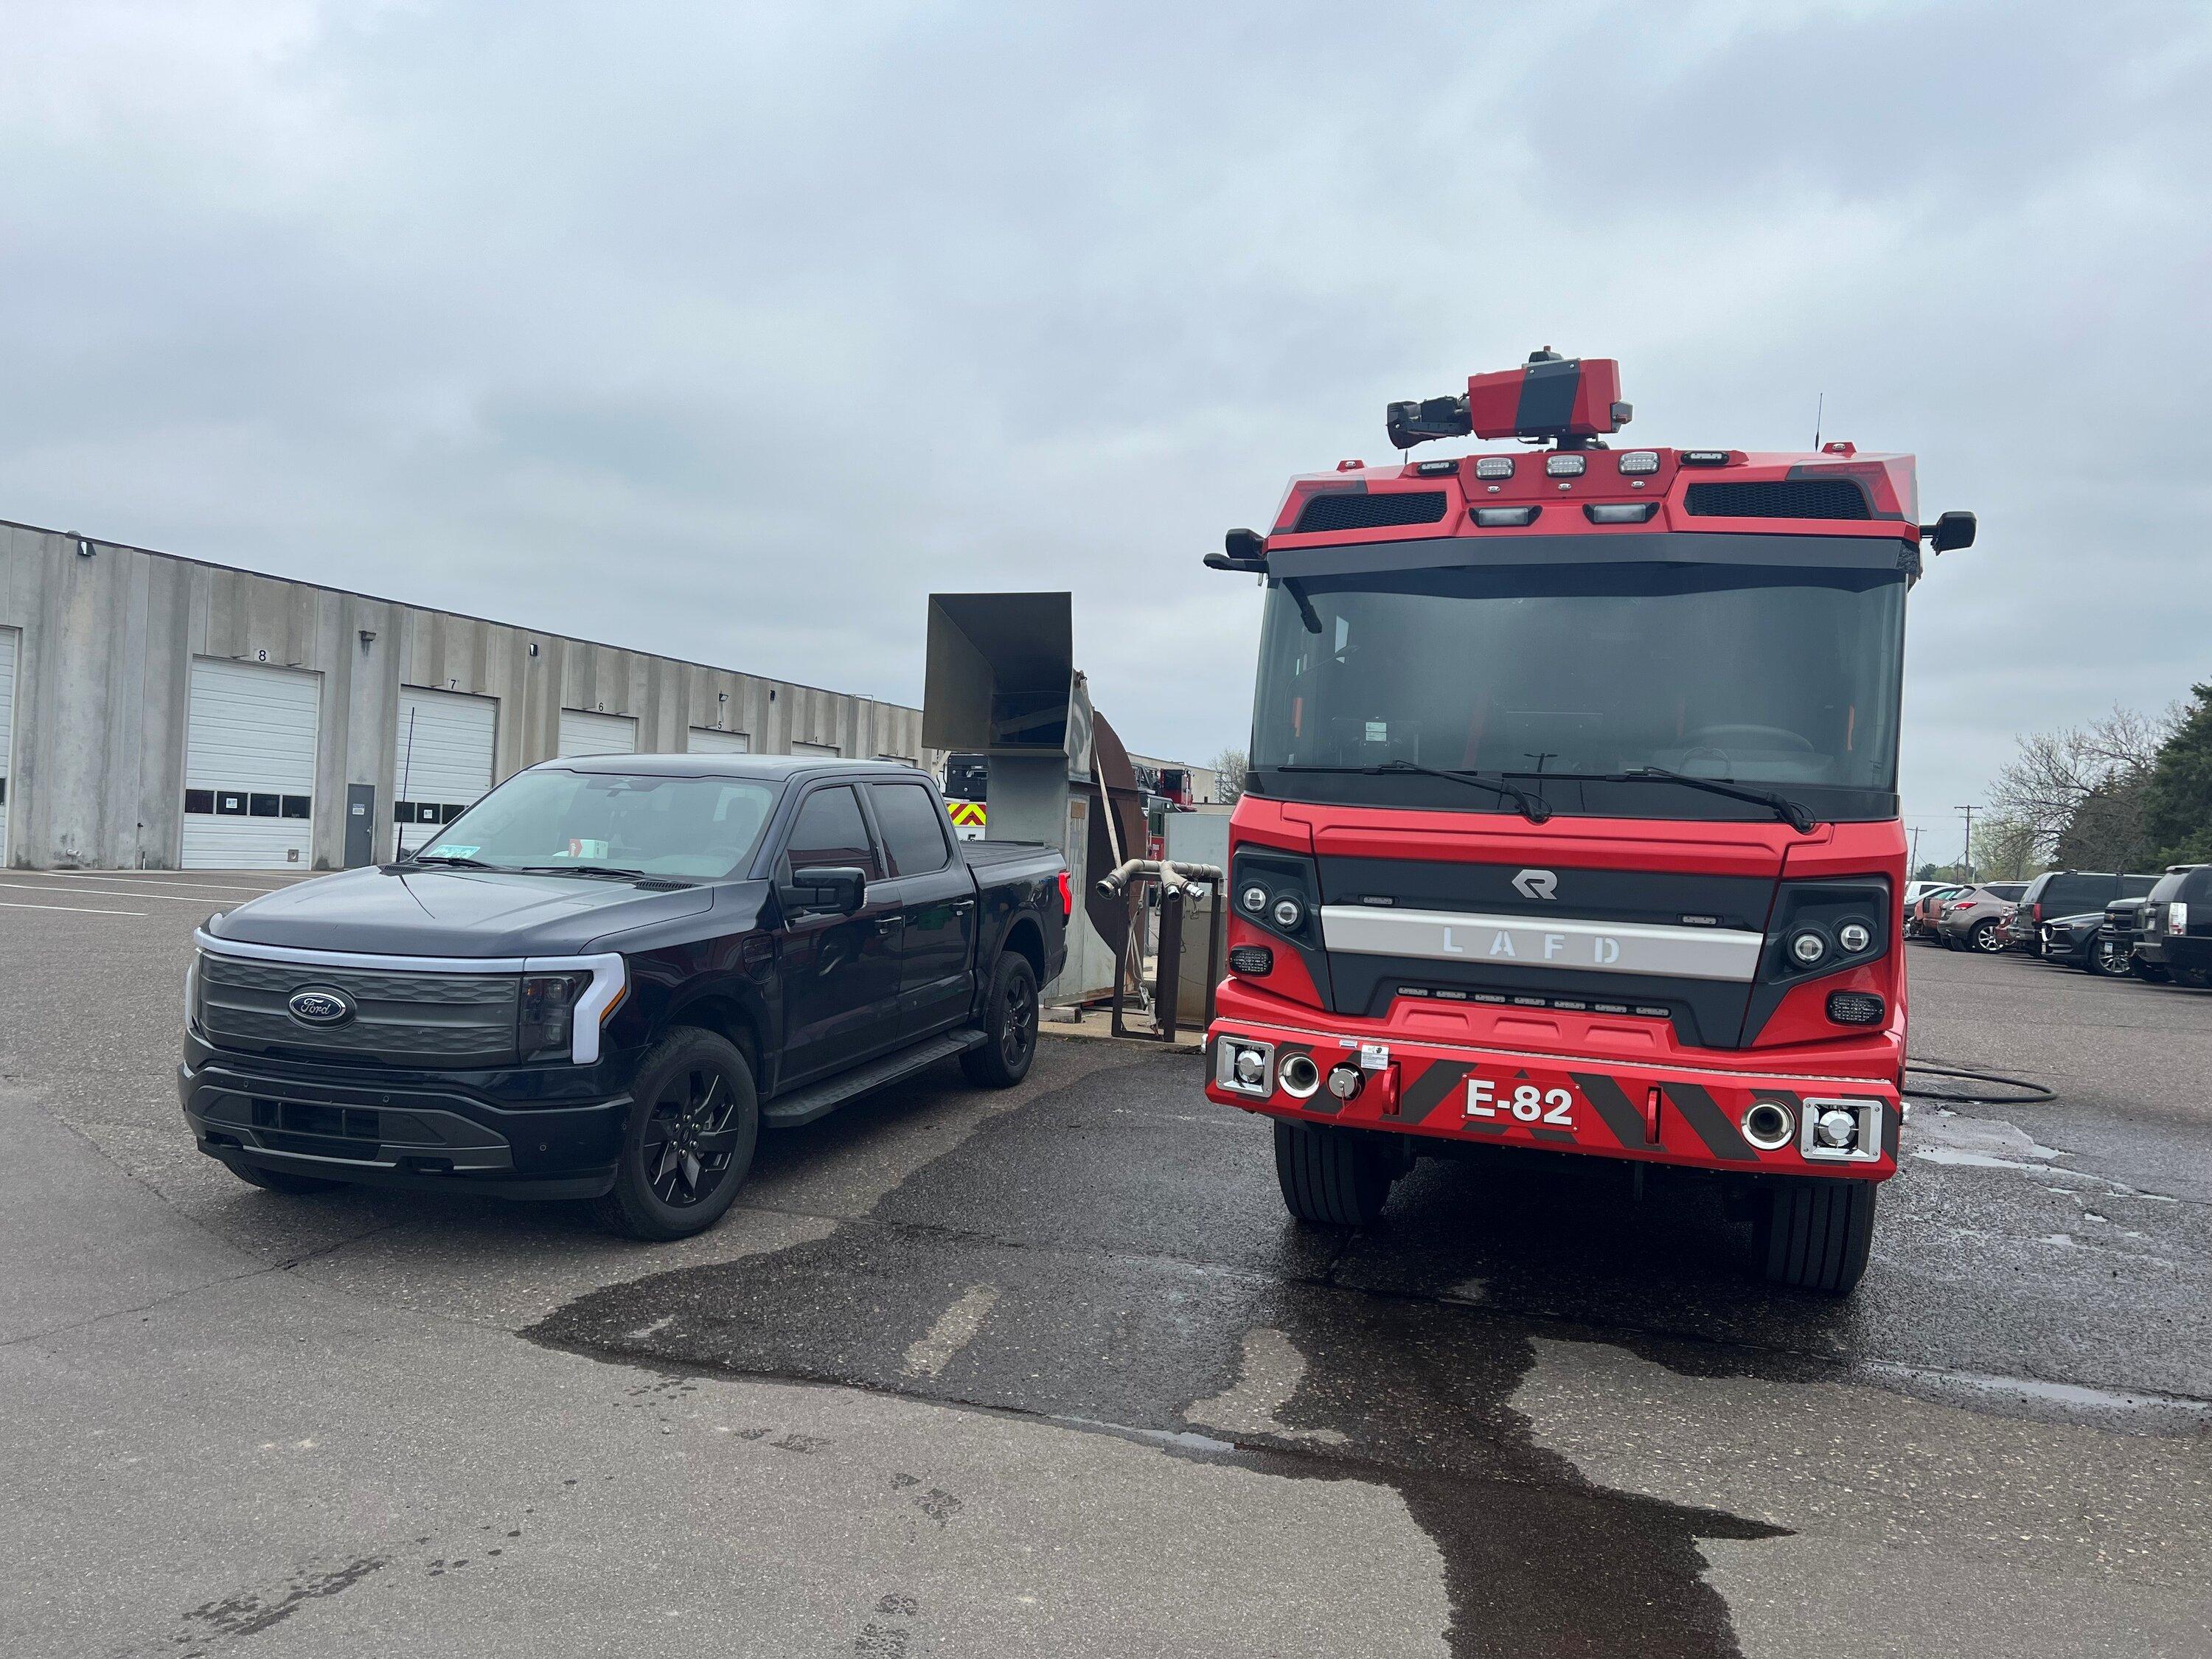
(417, 912)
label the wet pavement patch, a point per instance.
(1097, 1259)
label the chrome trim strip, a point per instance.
(1607, 947)
(609, 975)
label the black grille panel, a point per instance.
(1781, 498)
(428, 1019)
(1361, 511)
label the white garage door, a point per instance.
(702, 740)
(798, 747)
(583, 733)
(250, 767)
(7, 727)
(442, 763)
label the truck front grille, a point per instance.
(398, 1017)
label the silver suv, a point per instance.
(1974, 920)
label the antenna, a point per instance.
(1819, 409)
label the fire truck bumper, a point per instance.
(1746, 1121)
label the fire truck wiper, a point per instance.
(1535, 808)
(1782, 806)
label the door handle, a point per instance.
(887, 924)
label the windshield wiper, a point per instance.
(575, 870)
(453, 859)
(1535, 808)
(1781, 805)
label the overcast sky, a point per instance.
(732, 331)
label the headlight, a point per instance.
(546, 1026)
(1253, 898)
(1808, 947)
(1288, 913)
(1855, 936)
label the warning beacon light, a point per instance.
(1568, 400)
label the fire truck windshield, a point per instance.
(1578, 671)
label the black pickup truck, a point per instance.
(603, 979)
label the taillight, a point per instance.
(2035, 911)
(1066, 897)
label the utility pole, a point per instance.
(1967, 862)
(1913, 869)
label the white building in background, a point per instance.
(163, 713)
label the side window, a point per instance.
(2136, 887)
(830, 830)
(914, 829)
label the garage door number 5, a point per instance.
(1528, 1104)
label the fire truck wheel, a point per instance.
(1332, 1177)
(1815, 1232)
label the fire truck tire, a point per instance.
(1332, 1177)
(1815, 1232)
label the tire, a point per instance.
(280, 1181)
(1815, 1231)
(2149, 973)
(1332, 1177)
(690, 1142)
(2195, 978)
(2108, 964)
(1009, 1026)
(1987, 938)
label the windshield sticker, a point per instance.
(1378, 731)
(451, 851)
(587, 849)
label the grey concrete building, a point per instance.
(164, 713)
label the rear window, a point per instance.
(913, 829)
(2070, 896)
(2136, 887)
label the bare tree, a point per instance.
(2005, 848)
(2077, 794)
(1228, 769)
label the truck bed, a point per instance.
(988, 858)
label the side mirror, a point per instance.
(1950, 530)
(829, 887)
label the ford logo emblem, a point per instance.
(317, 1006)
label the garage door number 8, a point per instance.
(1527, 1103)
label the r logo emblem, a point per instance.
(1536, 884)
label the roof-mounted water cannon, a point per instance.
(1566, 400)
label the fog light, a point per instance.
(1854, 935)
(1345, 1081)
(1505, 518)
(1252, 961)
(1288, 913)
(1620, 512)
(1836, 1128)
(1253, 898)
(1808, 947)
(1855, 1008)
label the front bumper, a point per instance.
(426, 1132)
(1658, 1112)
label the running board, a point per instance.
(790, 1110)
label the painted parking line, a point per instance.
(157, 878)
(107, 892)
(74, 909)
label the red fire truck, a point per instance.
(1572, 821)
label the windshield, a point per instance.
(1785, 678)
(657, 826)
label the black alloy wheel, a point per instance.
(1009, 1026)
(690, 1142)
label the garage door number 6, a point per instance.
(1528, 1104)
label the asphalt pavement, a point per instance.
(1048, 1372)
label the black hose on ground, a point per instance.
(2030, 1094)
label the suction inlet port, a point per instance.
(1301, 1077)
(1768, 1126)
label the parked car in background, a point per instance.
(1974, 918)
(2175, 942)
(1916, 890)
(2116, 940)
(2069, 893)
(2073, 942)
(1920, 916)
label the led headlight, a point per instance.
(1808, 947)
(1288, 913)
(546, 1023)
(1855, 936)
(1253, 898)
